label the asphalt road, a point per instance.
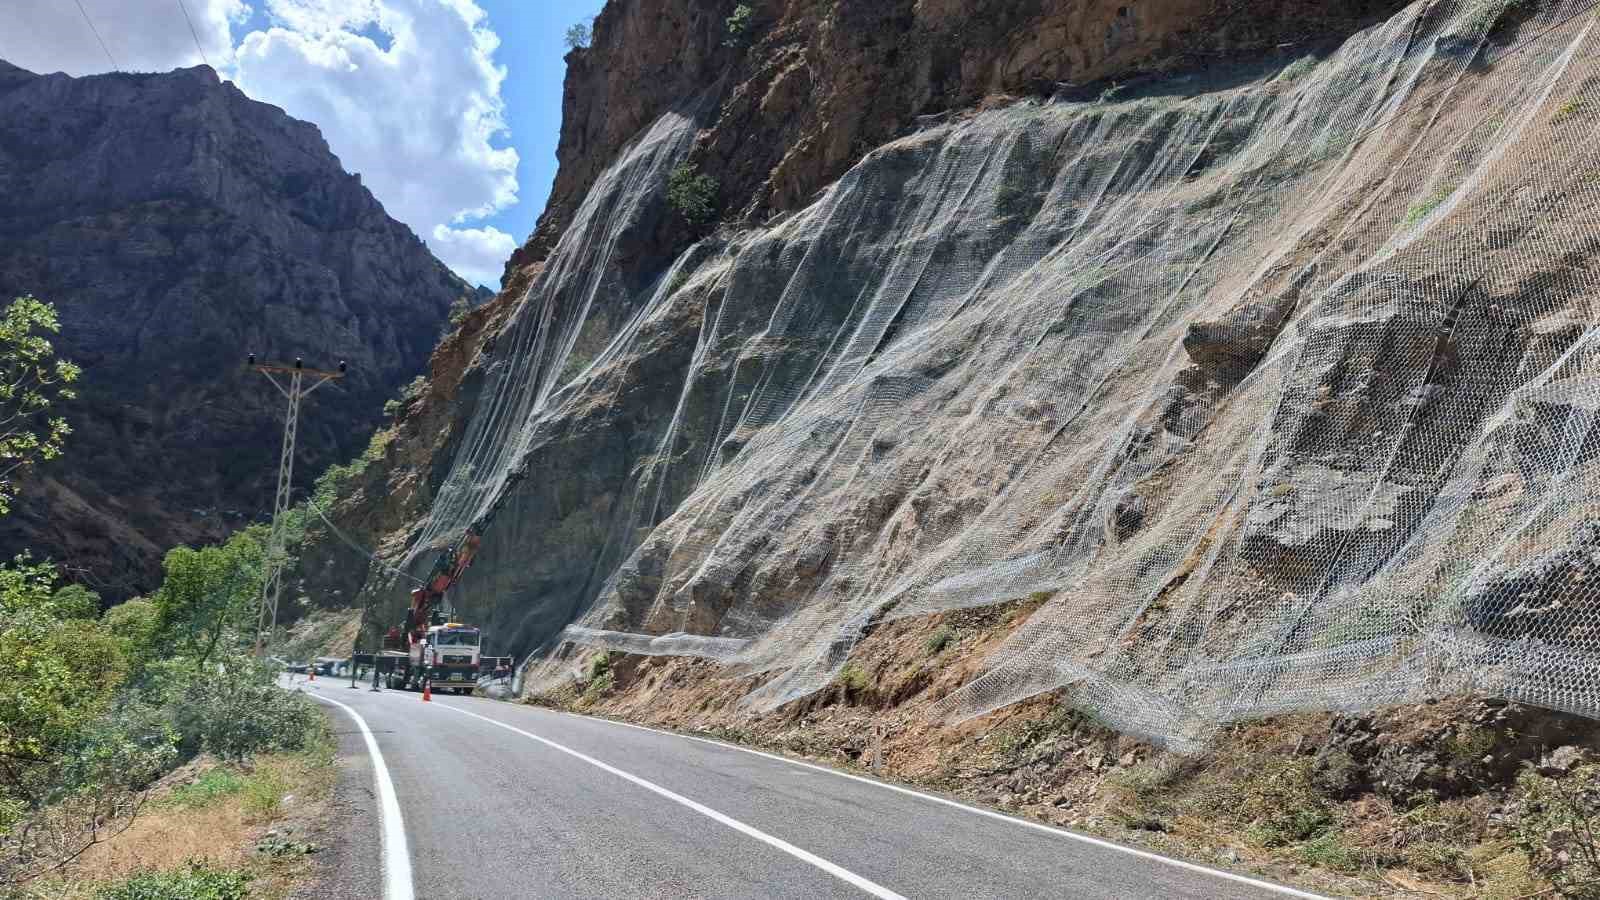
(498, 800)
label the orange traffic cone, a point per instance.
(427, 692)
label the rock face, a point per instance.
(1254, 377)
(798, 97)
(177, 225)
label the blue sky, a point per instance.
(531, 36)
(449, 109)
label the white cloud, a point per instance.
(477, 254)
(417, 111)
(142, 35)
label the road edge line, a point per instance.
(397, 884)
(805, 856)
(1223, 874)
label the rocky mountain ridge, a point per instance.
(770, 147)
(177, 225)
(761, 93)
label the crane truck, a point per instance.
(426, 648)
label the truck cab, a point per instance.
(451, 659)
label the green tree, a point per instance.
(133, 623)
(60, 673)
(74, 601)
(410, 392)
(738, 26)
(578, 35)
(206, 593)
(693, 195)
(31, 380)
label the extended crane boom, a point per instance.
(427, 599)
(413, 646)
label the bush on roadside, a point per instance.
(1556, 826)
(196, 881)
(238, 712)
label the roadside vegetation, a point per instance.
(101, 707)
(32, 379)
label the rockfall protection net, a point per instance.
(1283, 390)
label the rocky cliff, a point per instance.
(1266, 378)
(177, 225)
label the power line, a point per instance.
(359, 549)
(97, 37)
(195, 34)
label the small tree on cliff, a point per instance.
(693, 195)
(31, 380)
(578, 35)
(738, 26)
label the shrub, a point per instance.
(239, 712)
(598, 687)
(578, 35)
(854, 678)
(1556, 826)
(1468, 746)
(693, 195)
(209, 786)
(939, 640)
(739, 26)
(459, 311)
(599, 664)
(410, 392)
(195, 881)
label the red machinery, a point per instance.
(426, 600)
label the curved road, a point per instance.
(500, 800)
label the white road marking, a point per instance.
(839, 872)
(988, 813)
(396, 855)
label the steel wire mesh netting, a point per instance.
(1283, 389)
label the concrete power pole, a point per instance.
(297, 377)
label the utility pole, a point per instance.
(296, 376)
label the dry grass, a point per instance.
(220, 822)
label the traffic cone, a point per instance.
(311, 673)
(427, 692)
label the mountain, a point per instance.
(1178, 420)
(178, 225)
